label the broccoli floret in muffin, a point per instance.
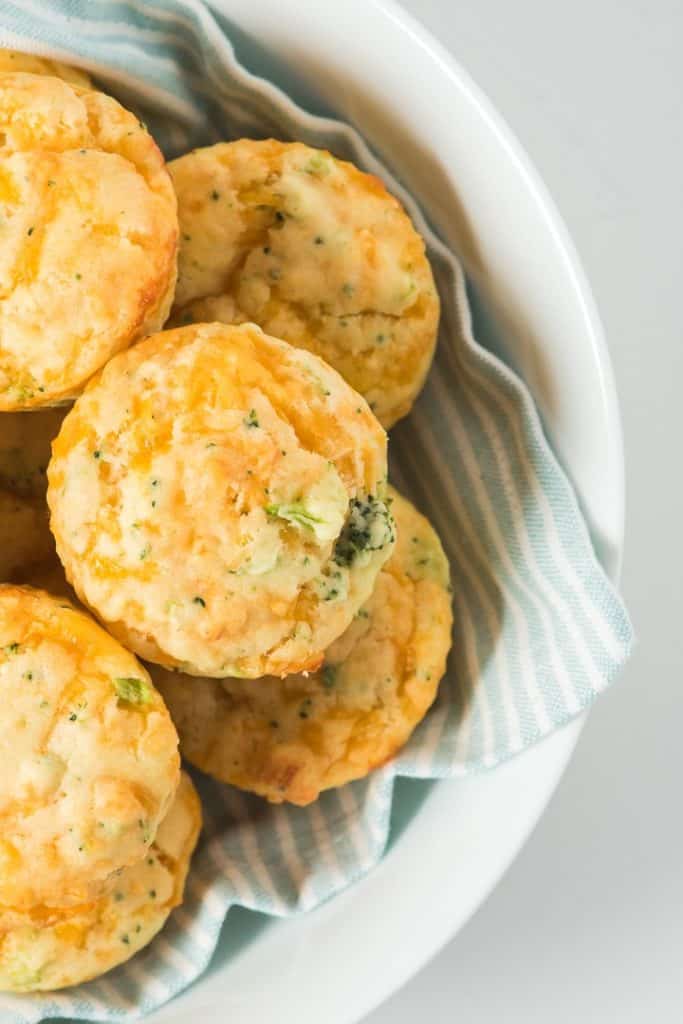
(369, 527)
(289, 739)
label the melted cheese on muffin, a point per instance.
(217, 497)
(92, 748)
(89, 232)
(42, 948)
(288, 739)
(315, 252)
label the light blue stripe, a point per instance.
(485, 641)
(543, 553)
(492, 485)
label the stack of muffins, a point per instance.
(218, 502)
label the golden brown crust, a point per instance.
(289, 739)
(315, 252)
(93, 748)
(217, 498)
(43, 948)
(88, 260)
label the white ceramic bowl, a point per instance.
(376, 67)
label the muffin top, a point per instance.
(288, 739)
(314, 251)
(217, 497)
(89, 236)
(92, 748)
(42, 948)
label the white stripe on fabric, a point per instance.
(174, 956)
(113, 995)
(150, 983)
(357, 834)
(229, 869)
(205, 893)
(194, 930)
(511, 487)
(568, 571)
(528, 677)
(494, 621)
(515, 576)
(263, 876)
(325, 847)
(298, 874)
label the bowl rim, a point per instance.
(289, 952)
(368, 980)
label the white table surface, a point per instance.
(587, 926)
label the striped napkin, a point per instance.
(539, 629)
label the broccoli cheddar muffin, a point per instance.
(315, 252)
(13, 60)
(288, 739)
(92, 750)
(89, 236)
(43, 948)
(217, 498)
